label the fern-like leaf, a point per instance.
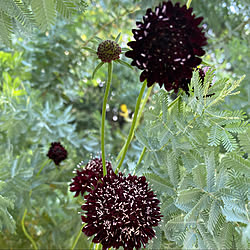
(228, 141)
(173, 169)
(236, 162)
(214, 216)
(190, 239)
(245, 141)
(210, 163)
(6, 28)
(164, 102)
(6, 219)
(65, 8)
(160, 184)
(187, 198)
(226, 236)
(207, 237)
(44, 13)
(175, 229)
(201, 204)
(199, 176)
(214, 136)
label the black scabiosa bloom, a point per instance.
(108, 51)
(167, 46)
(121, 212)
(88, 176)
(57, 152)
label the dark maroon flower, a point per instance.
(167, 43)
(108, 51)
(57, 152)
(121, 212)
(88, 176)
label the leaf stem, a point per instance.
(110, 69)
(26, 210)
(25, 232)
(77, 237)
(42, 167)
(140, 159)
(138, 120)
(131, 132)
(188, 3)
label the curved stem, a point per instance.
(188, 3)
(142, 107)
(77, 237)
(42, 167)
(138, 119)
(110, 68)
(25, 232)
(131, 132)
(26, 210)
(140, 159)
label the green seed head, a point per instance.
(108, 51)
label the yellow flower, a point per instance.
(124, 110)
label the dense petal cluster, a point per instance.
(108, 51)
(57, 152)
(167, 46)
(121, 212)
(87, 177)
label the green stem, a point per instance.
(131, 132)
(42, 167)
(25, 211)
(77, 237)
(174, 101)
(138, 120)
(142, 107)
(110, 69)
(188, 3)
(140, 159)
(25, 232)
(97, 246)
(91, 245)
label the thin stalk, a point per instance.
(40, 170)
(142, 107)
(188, 3)
(77, 237)
(140, 159)
(174, 101)
(110, 69)
(26, 210)
(25, 232)
(138, 120)
(91, 245)
(98, 246)
(131, 132)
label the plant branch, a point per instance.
(138, 120)
(110, 69)
(188, 3)
(77, 237)
(132, 129)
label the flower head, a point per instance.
(167, 43)
(88, 177)
(57, 152)
(121, 212)
(108, 51)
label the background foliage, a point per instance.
(196, 150)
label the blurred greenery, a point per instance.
(47, 94)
